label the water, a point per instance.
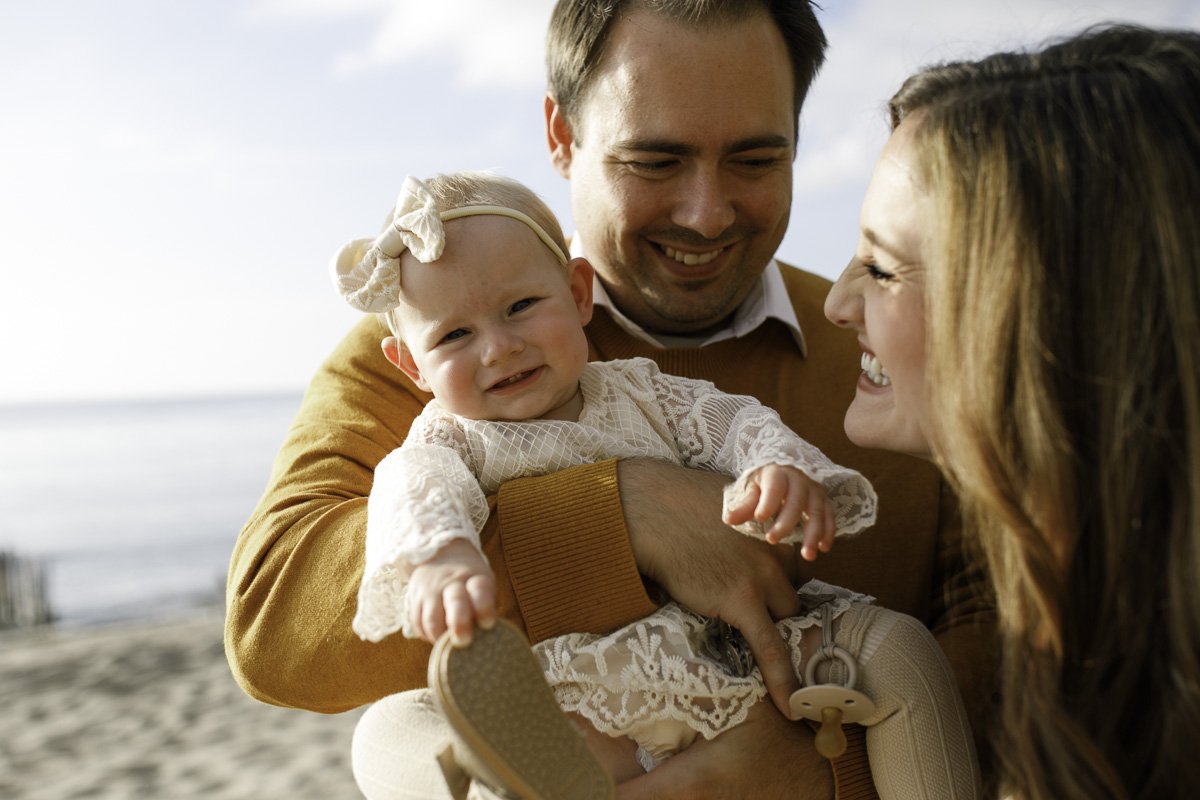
(134, 508)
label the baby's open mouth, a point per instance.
(509, 381)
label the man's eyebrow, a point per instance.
(675, 148)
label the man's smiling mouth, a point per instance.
(692, 259)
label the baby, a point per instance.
(488, 314)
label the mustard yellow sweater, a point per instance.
(296, 567)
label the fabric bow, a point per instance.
(366, 272)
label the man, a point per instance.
(676, 126)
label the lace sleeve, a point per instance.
(424, 495)
(736, 434)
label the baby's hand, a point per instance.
(454, 590)
(791, 498)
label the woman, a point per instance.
(1027, 293)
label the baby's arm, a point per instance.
(454, 590)
(424, 499)
(737, 435)
(786, 498)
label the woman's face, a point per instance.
(881, 296)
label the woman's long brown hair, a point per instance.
(1064, 358)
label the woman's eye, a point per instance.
(521, 305)
(878, 274)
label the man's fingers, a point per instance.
(773, 658)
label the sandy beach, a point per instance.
(150, 710)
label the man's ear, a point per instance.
(558, 137)
(580, 270)
(401, 357)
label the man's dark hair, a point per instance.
(579, 31)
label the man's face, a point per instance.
(680, 165)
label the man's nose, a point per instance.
(704, 203)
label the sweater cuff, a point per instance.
(567, 552)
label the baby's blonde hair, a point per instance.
(480, 188)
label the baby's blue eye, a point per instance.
(457, 333)
(521, 305)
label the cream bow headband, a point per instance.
(366, 272)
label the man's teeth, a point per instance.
(875, 372)
(691, 259)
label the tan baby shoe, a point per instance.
(511, 736)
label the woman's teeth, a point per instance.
(875, 372)
(691, 259)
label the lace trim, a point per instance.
(434, 488)
(651, 671)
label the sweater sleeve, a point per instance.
(298, 561)
(567, 552)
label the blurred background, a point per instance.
(175, 176)
(173, 179)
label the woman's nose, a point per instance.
(843, 305)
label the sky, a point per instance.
(174, 176)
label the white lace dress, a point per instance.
(434, 488)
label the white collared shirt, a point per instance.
(768, 299)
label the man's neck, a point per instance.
(767, 299)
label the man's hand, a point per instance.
(764, 757)
(679, 542)
(455, 590)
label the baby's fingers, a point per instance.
(459, 612)
(482, 591)
(790, 515)
(774, 492)
(819, 529)
(742, 508)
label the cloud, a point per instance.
(488, 44)
(874, 45)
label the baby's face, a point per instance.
(494, 328)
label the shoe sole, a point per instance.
(496, 699)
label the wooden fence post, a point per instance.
(23, 601)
